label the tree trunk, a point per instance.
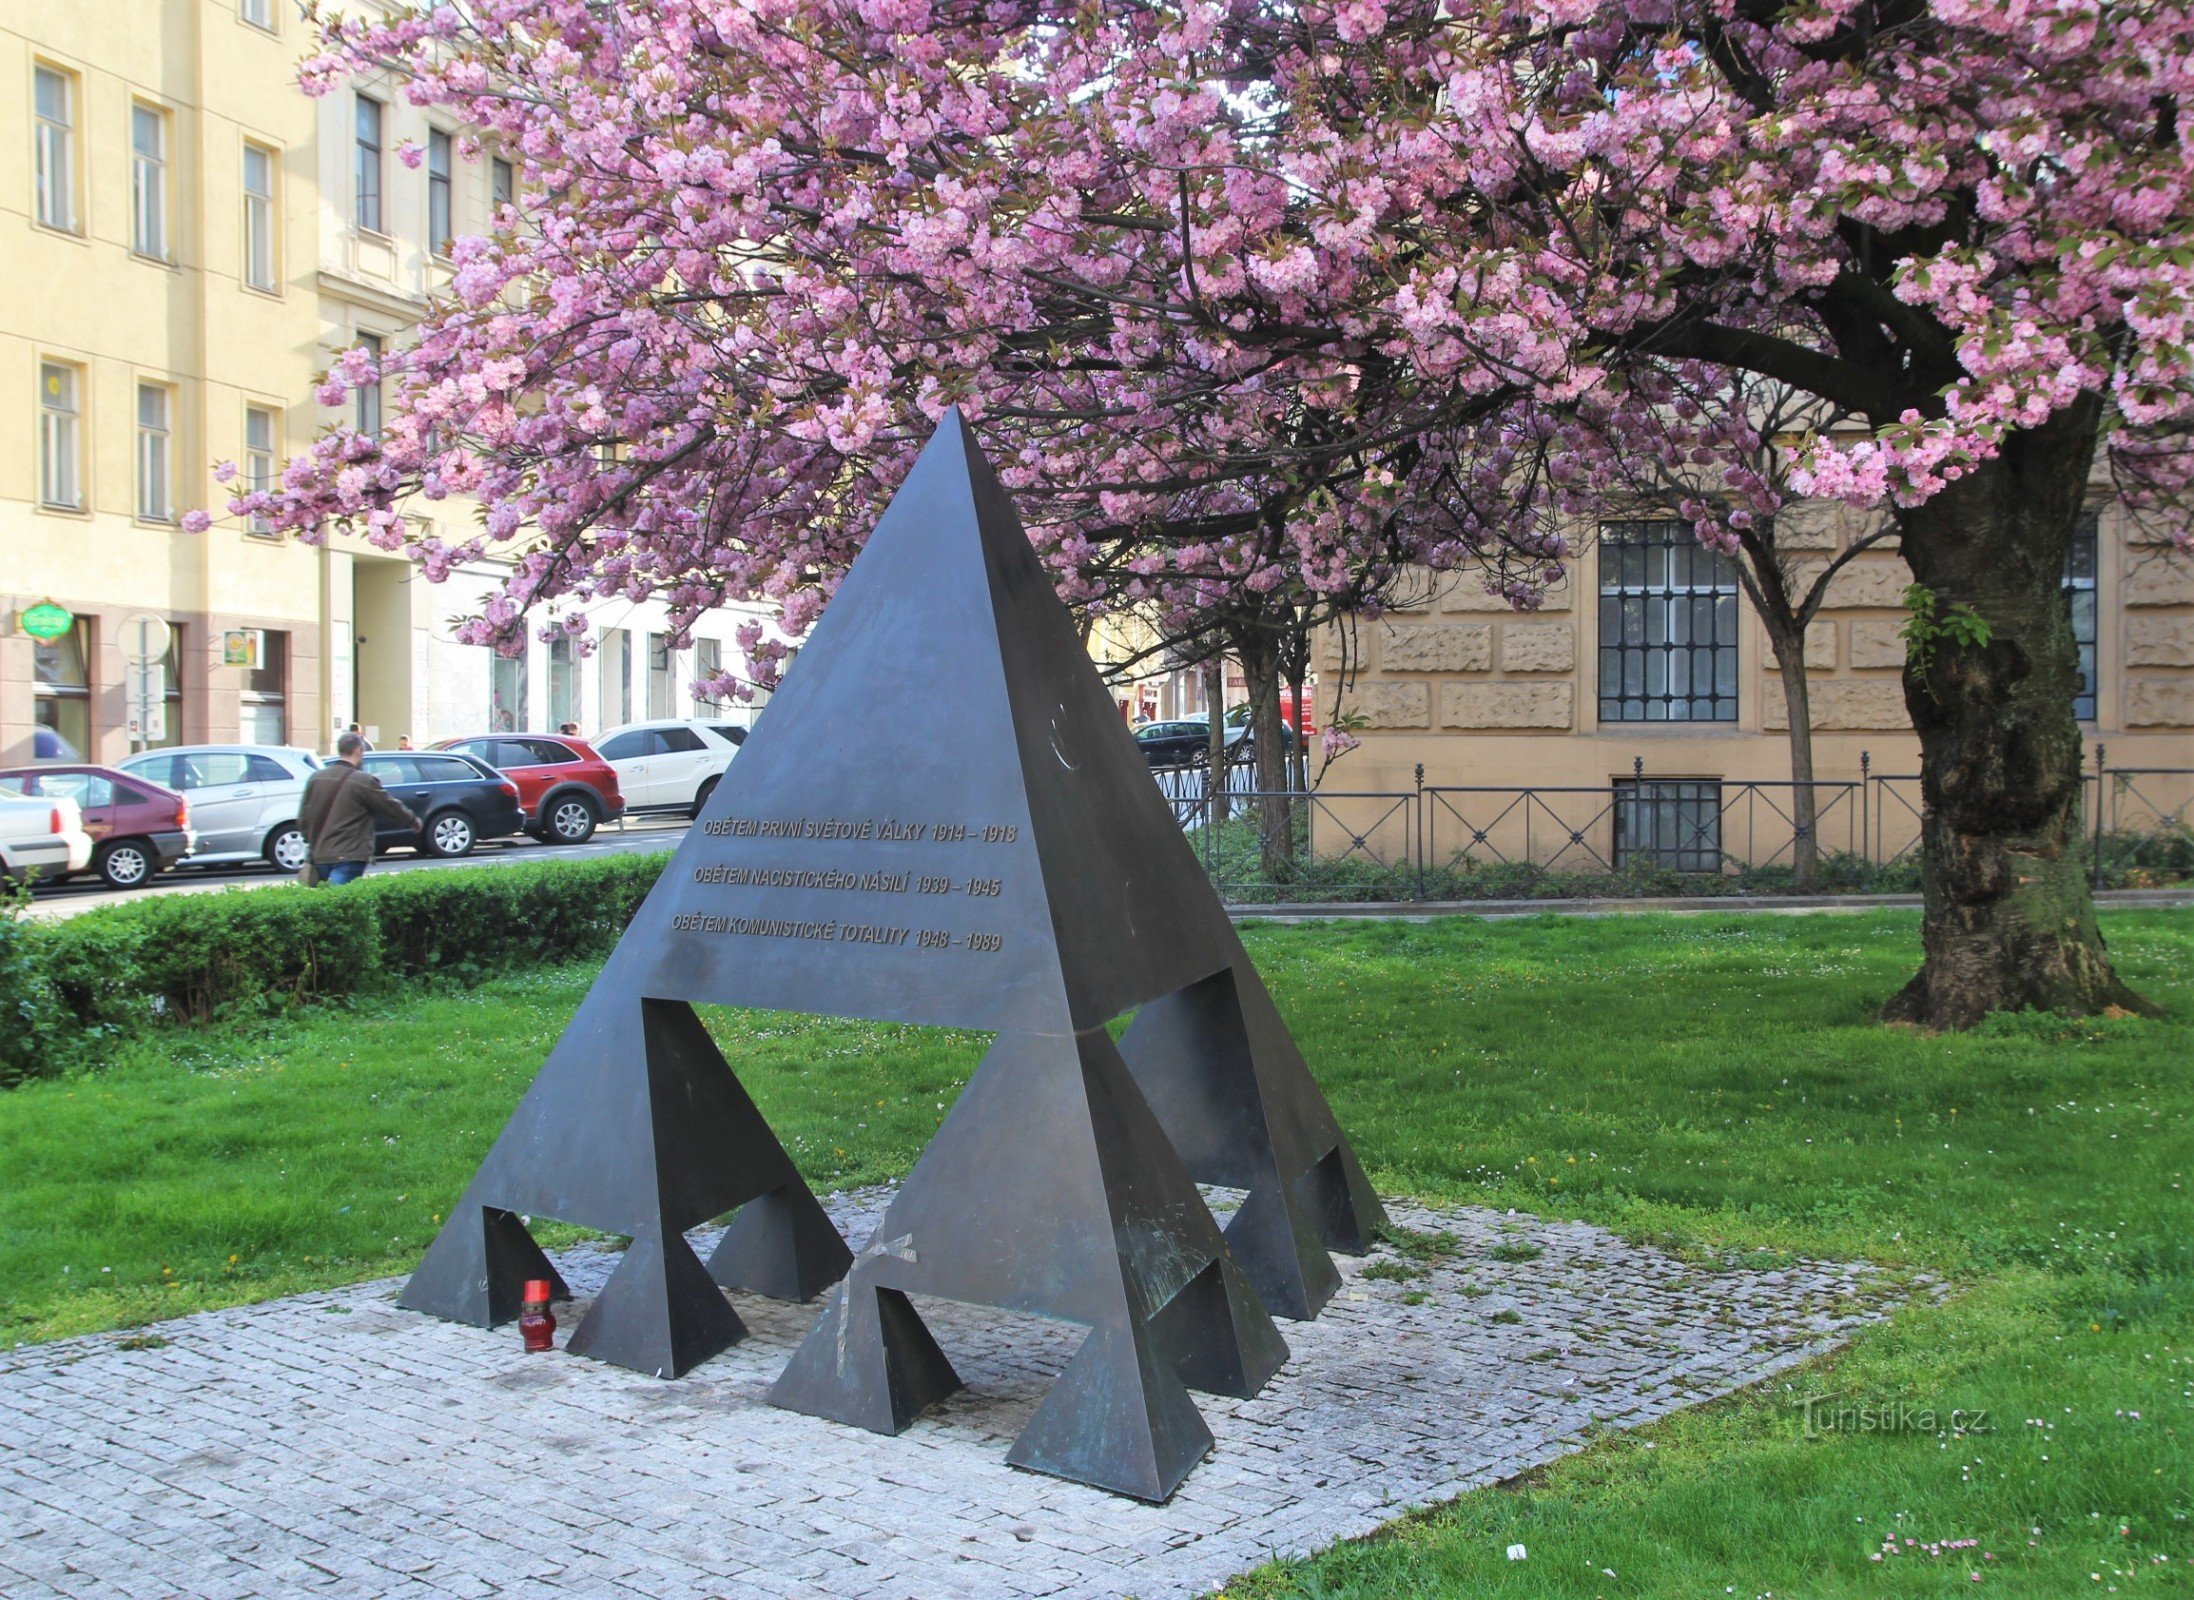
(1805, 821)
(2009, 922)
(1215, 753)
(1260, 659)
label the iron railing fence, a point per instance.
(1642, 834)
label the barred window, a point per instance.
(2079, 595)
(1668, 626)
(1675, 824)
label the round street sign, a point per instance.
(46, 620)
(144, 638)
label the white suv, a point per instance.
(44, 835)
(668, 764)
(244, 799)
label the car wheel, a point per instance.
(571, 820)
(286, 849)
(124, 863)
(449, 834)
(700, 798)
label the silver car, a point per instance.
(244, 799)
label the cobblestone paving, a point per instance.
(331, 1444)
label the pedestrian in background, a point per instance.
(341, 802)
(359, 734)
(569, 730)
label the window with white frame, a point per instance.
(155, 452)
(259, 265)
(368, 396)
(259, 13)
(502, 182)
(54, 146)
(440, 220)
(261, 427)
(149, 181)
(366, 165)
(60, 434)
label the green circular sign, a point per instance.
(46, 620)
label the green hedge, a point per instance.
(68, 987)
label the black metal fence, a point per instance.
(1643, 834)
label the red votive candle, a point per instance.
(537, 1323)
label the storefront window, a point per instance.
(264, 712)
(63, 685)
(507, 693)
(563, 685)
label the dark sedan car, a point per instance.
(458, 800)
(137, 827)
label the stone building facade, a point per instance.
(1646, 676)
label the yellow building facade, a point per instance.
(157, 240)
(190, 242)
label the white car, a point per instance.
(669, 764)
(244, 799)
(43, 835)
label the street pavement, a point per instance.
(81, 894)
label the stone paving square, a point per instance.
(332, 1444)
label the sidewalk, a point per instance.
(333, 1445)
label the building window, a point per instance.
(1673, 825)
(502, 182)
(54, 155)
(259, 268)
(368, 396)
(265, 707)
(171, 669)
(2079, 594)
(439, 229)
(708, 661)
(259, 13)
(149, 181)
(507, 692)
(1668, 626)
(660, 675)
(60, 435)
(62, 685)
(616, 677)
(563, 682)
(261, 425)
(155, 452)
(367, 166)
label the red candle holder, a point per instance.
(537, 1323)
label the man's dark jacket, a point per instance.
(346, 833)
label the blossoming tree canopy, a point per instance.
(1250, 298)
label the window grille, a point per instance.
(1668, 626)
(2079, 595)
(1671, 823)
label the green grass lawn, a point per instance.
(1713, 1083)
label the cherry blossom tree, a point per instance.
(1253, 298)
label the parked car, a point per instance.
(138, 828)
(1175, 744)
(564, 787)
(1188, 744)
(44, 836)
(48, 745)
(244, 799)
(669, 764)
(458, 799)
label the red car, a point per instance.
(138, 828)
(564, 788)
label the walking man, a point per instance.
(341, 802)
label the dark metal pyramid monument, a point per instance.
(943, 820)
